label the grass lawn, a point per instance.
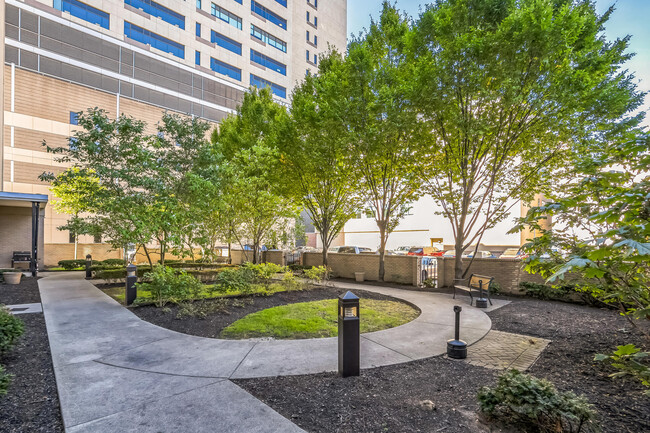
(317, 319)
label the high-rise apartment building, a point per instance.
(136, 57)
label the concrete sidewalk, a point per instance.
(116, 372)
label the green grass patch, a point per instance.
(59, 268)
(317, 319)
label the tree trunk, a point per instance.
(382, 250)
(229, 255)
(146, 251)
(76, 243)
(458, 259)
(323, 237)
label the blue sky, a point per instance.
(630, 17)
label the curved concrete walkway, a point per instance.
(116, 372)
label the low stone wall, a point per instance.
(398, 269)
(56, 252)
(276, 257)
(507, 272)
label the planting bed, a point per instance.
(395, 398)
(32, 403)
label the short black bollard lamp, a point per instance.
(131, 279)
(457, 348)
(482, 301)
(349, 335)
(89, 263)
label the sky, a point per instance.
(630, 18)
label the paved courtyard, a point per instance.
(116, 372)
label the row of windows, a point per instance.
(268, 62)
(261, 83)
(226, 16)
(315, 58)
(315, 38)
(83, 11)
(265, 37)
(225, 69)
(267, 14)
(315, 23)
(225, 42)
(155, 40)
(158, 10)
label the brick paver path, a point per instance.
(503, 350)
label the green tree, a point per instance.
(318, 163)
(510, 90)
(247, 146)
(383, 122)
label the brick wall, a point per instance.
(16, 233)
(507, 272)
(276, 257)
(56, 252)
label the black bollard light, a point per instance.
(481, 302)
(131, 279)
(89, 263)
(349, 335)
(457, 348)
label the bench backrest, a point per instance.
(475, 281)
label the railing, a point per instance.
(428, 271)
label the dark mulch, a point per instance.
(388, 399)
(223, 312)
(32, 403)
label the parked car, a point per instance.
(513, 253)
(353, 250)
(425, 251)
(449, 253)
(482, 255)
(401, 251)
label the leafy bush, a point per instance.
(543, 291)
(166, 285)
(264, 271)
(236, 280)
(297, 267)
(11, 328)
(536, 404)
(495, 288)
(631, 361)
(112, 262)
(70, 265)
(118, 273)
(5, 380)
(317, 273)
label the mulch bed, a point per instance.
(393, 398)
(222, 313)
(32, 402)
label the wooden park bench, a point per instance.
(477, 283)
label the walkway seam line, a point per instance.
(99, 361)
(242, 360)
(389, 348)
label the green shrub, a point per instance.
(291, 283)
(236, 280)
(297, 267)
(11, 328)
(111, 262)
(264, 271)
(5, 381)
(495, 288)
(536, 405)
(70, 265)
(317, 274)
(630, 361)
(166, 285)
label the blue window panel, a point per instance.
(262, 83)
(197, 57)
(225, 69)
(267, 14)
(282, 2)
(225, 42)
(149, 38)
(198, 4)
(269, 39)
(240, 2)
(74, 118)
(198, 29)
(158, 10)
(83, 11)
(268, 62)
(226, 16)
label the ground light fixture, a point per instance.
(131, 279)
(457, 348)
(348, 314)
(89, 263)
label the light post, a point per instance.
(131, 279)
(349, 345)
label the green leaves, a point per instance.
(630, 361)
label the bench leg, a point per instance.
(489, 300)
(471, 298)
(454, 291)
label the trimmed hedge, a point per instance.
(11, 328)
(70, 265)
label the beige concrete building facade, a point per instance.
(141, 58)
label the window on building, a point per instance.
(71, 237)
(97, 238)
(226, 16)
(198, 4)
(158, 10)
(315, 21)
(225, 69)
(197, 57)
(72, 143)
(315, 59)
(307, 16)
(198, 29)
(267, 38)
(154, 40)
(225, 42)
(268, 15)
(83, 11)
(315, 40)
(307, 55)
(262, 83)
(268, 62)
(282, 2)
(74, 118)
(307, 35)
(240, 2)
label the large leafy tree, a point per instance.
(510, 90)
(383, 122)
(317, 160)
(246, 145)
